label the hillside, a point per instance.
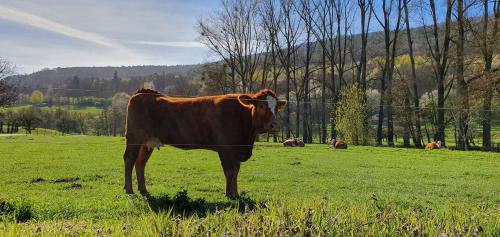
(96, 81)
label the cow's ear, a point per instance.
(246, 101)
(281, 105)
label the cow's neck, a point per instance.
(253, 136)
(252, 131)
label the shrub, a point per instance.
(352, 114)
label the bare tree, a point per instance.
(326, 31)
(321, 33)
(365, 13)
(417, 136)
(306, 12)
(439, 46)
(8, 93)
(289, 31)
(214, 78)
(487, 40)
(391, 33)
(462, 87)
(343, 12)
(233, 33)
(271, 21)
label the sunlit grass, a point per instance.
(73, 186)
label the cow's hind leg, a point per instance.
(130, 156)
(140, 165)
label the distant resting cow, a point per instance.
(293, 142)
(227, 124)
(338, 144)
(433, 145)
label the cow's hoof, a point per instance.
(145, 193)
(233, 197)
(130, 192)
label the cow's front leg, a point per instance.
(231, 170)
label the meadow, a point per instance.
(73, 185)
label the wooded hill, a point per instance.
(99, 81)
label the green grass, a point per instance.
(73, 186)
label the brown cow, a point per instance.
(293, 142)
(433, 145)
(227, 124)
(289, 142)
(340, 145)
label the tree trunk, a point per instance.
(275, 79)
(233, 77)
(407, 121)
(463, 92)
(323, 100)
(297, 99)
(487, 115)
(416, 100)
(364, 41)
(306, 120)
(287, 113)
(488, 42)
(333, 100)
(381, 111)
(389, 112)
(390, 73)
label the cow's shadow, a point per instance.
(182, 204)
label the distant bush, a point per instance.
(351, 115)
(36, 97)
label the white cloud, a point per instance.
(180, 44)
(49, 25)
(61, 33)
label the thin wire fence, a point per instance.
(328, 101)
(426, 111)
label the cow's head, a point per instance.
(265, 107)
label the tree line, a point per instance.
(106, 121)
(77, 86)
(325, 58)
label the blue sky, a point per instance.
(61, 33)
(36, 34)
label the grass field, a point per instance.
(73, 186)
